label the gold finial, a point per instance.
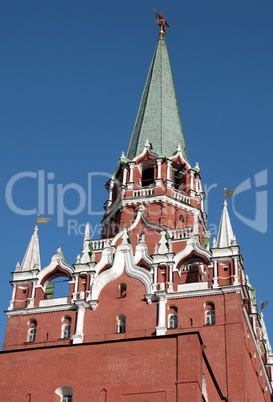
(162, 23)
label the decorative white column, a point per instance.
(158, 180)
(130, 184)
(110, 193)
(236, 276)
(197, 184)
(74, 294)
(131, 166)
(170, 283)
(169, 180)
(78, 337)
(31, 300)
(155, 267)
(215, 278)
(161, 327)
(125, 170)
(11, 305)
(111, 185)
(191, 192)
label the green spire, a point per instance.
(158, 118)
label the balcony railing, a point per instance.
(144, 192)
(100, 244)
(181, 197)
(177, 234)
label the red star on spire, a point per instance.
(161, 21)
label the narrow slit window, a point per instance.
(121, 324)
(122, 290)
(32, 333)
(209, 314)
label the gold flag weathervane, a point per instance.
(229, 192)
(42, 220)
(264, 304)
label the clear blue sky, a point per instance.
(72, 73)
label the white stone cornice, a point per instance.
(25, 276)
(38, 310)
(145, 200)
(225, 252)
(205, 292)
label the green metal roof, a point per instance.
(158, 118)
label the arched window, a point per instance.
(32, 331)
(66, 330)
(65, 393)
(122, 290)
(66, 327)
(121, 324)
(173, 317)
(173, 320)
(209, 314)
(57, 286)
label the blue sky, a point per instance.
(71, 78)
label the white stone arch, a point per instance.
(123, 260)
(106, 259)
(64, 390)
(192, 245)
(56, 260)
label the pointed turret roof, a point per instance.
(32, 256)
(225, 236)
(158, 118)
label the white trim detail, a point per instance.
(142, 254)
(123, 260)
(57, 259)
(192, 245)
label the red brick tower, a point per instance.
(152, 313)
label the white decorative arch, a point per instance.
(123, 260)
(56, 260)
(146, 150)
(65, 390)
(106, 259)
(192, 245)
(142, 254)
(140, 215)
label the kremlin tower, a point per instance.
(154, 310)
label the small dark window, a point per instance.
(122, 290)
(181, 218)
(148, 177)
(178, 178)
